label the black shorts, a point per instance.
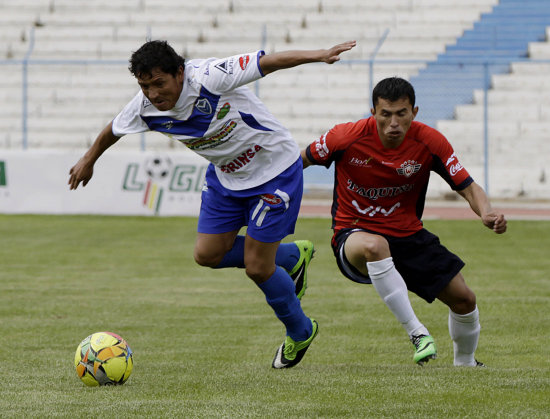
(423, 262)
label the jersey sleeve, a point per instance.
(447, 164)
(329, 146)
(129, 121)
(225, 74)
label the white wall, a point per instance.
(124, 183)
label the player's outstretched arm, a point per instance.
(480, 204)
(305, 160)
(83, 170)
(287, 59)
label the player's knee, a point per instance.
(376, 248)
(464, 303)
(207, 259)
(258, 271)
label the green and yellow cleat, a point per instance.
(299, 272)
(290, 352)
(425, 349)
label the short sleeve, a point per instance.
(327, 148)
(222, 75)
(129, 121)
(446, 161)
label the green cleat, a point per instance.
(299, 272)
(290, 352)
(425, 349)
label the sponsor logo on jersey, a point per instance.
(168, 125)
(456, 167)
(375, 193)
(146, 103)
(212, 141)
(223, 110)
(409, 168)
(241, 161)
(451, 159)
(243, 61)
(192, 81)
(271, 199)
(354, 161)
(321, 146)
(225, 66)
(203, 106)
(371, 210)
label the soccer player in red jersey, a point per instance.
(382, 168)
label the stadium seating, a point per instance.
(501, 36)
(518, 127)
(77, 76)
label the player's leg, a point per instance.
(272, 216)
(213, 250)
(464, 326)
(295, 259)
(277, 286)
(221, 217)
(223, 213)
(370, 255)
(228, 252)
(279, 291)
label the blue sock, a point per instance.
(235, 257)
(280, 295)
(287, 256)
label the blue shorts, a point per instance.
(424, 263)
(270, 210)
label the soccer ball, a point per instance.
(103, 358)
(158, 167)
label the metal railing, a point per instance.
(370, 68)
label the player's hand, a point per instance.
(495, 221)
(333, 54)
(82, 171)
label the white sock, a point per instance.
(392, 288)
(464, 330)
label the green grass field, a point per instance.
(203, 340)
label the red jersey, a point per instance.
(379, 189)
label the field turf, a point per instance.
(203, 340)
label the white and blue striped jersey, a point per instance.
(220, 119)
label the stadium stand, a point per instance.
(517, 118)
(109, 30)
(518, 127)
(77, 77)
(500, 37)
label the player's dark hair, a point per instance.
(155, 54)
(393, 89)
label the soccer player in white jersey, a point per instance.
(255, 175)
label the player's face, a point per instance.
(393, 120)
(162, 89)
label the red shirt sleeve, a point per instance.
(332, 144)
(446, 162)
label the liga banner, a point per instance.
(124, 183)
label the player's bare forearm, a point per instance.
(305, 160)
(480, 204)
(287, 59)
(83, 170)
